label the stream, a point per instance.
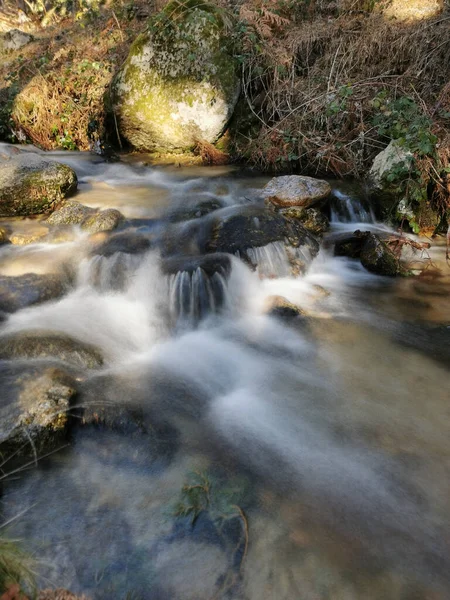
(250, 457)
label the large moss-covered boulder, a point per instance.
(179, 83)
(388, 164)
(31, 184)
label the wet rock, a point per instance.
(296, 190)
(377, 258)
(105, 220)
(278, 306)
(238, 229)
(350, 244)
(127, 242)
(312, 219)
(14, 39)
(34, 408)
(31, 288)
(31, 236)
(49, 344)
(178, 84)
(31, 184)
(210, 264)
(70, 213)
(4, 236)
(195, 212)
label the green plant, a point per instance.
(16, 567)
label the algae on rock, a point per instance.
(178, 84)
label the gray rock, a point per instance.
(31, 184)
(394, 157)
(210, 264)
(296, 190)
(105, 220)
(126, 242)
(14, 39)
(31, 288)
(178, 84)
(70, 212)
(33, 408)
(37, 344)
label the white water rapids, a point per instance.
(334, 430)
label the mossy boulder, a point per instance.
(34, 408)
(377, 257)
(31, 184)
(179, 82)
(94, 221)
(312, 219)
(105, 220)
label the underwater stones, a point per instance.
(31, 236)
(278, 306)
(178, 84)
(239, 229)
(31, 288)
(4, 237)
(34, 408)
(296, 190)
(48, 344)
(31, 184)
(90, 219)
(126, 242)
(198, 210)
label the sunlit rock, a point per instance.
(31, 184)
(296, 190)
(413, 10)
(178, 84)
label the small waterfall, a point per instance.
(278, 260)
(348, 209)
(112, 273)
(195, 295)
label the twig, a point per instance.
(118, 25)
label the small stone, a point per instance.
(70, 213)
(296, 190)
(278, 306)
(14, 39)
(105, 220)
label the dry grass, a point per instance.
(312, 86)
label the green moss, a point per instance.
(178, 83)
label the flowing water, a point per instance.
(251, 458)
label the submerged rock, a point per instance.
(350, 244)
(377, 257)
(127, 242)
(31, 236)
(178, 84)
(31, 288)
(198, 210)
(34, 408)
(296, 190)
(49, 344)
(4, 236)
(210, 264)
(278, 306)
(31, 184)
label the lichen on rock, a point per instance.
(31, 184)
(178, 84)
